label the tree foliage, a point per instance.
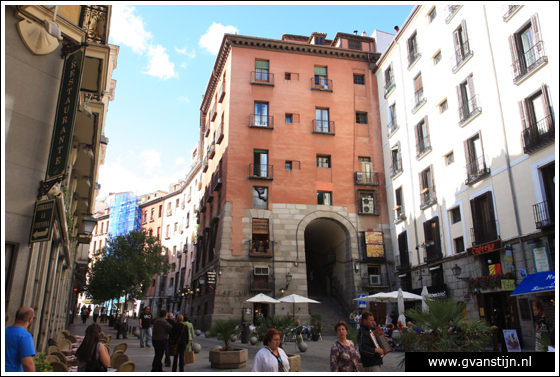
(126, 266)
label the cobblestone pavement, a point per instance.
(315, 359)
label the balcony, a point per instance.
(432, 253)
(94, 21)
(400, 214)
(476, 170)
(396, 168)
(538, 134)
(508, 11)
(205, 164)
(392, 127)
(325, 127)
(213, 112)
(260, 249)
(220, 132)
(262, 78)
(217, 180)
(208, 195)
(207, 130)
(222, 92)
(261, 121)
(211, 152)
(423, 147)
(202, 206)
(402, 261)
(450, 11)
(366, 178)
(389, 86)
(544, 214)
(413, 56)
(261, 171)
(529, 62)
(469, 110)
(428, 197)
(462, 54)
(261, 283)
(322, 84)
(419, 100)
(484, 231)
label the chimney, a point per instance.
(365, 34)
(397, 29)
(355, 32)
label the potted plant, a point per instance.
(227, 357)
(41, 365)
(316, 326)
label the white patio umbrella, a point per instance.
(425, 298)
(263, 299)
(390, 297)
(297, 299)
(400, 299)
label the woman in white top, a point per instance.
(271, 358)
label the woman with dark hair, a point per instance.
(92, 349)
(344, 357)
(180, 336)
(271, 358)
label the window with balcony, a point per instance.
(389, 80)
(537, 121)
(544, 212)
(366, 176)
(261, 71)
(427, 187)
(485, 227)
(320, 80)
(527, 50)
(432, 15)
(462, 47)
(476, 160)
(260, 245)
(392, 126)
(422, 133)
(469, 103)
(261, 169)
(413, 50)
(508, 11)
(260, 118)
(432, 240)
(450, 11)
(396, 161)
(322, 123)
(324, 198)
(419, 98)
(260, 197)
(400, 214)
(324, 162)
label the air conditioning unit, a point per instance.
(374, 279)
(367, 204)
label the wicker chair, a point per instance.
(59, 367)
(108, 348)
(71, 338)
(119, 360)
(64, 344)
(52, 342)
(60, 336)
(52, 349)
(65, 332)
(129, 366)
(52, 358)
(114, 356)
(60, 356)
(121, 346)
(109, 337)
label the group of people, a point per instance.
(98, 313)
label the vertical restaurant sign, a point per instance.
(65, 118)
(374, 244)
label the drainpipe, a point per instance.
(510, 178)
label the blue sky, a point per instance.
(165, 59)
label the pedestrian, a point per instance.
(344, 356)
(121, 324)
(353, 318)
(103, 315)
(161, 331)
(358, 320)
(92, 350)
(145, 323)
(370, 354)
(191, 332)
(95, 313)
(84, 313)
(167, 354)
(271, 358)
(388, 319)
(177, 312)
(180, 337)
(394, 319)
(19, 343)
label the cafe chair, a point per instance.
(59, 367)
(114, 356)
(60, 336)
(51, 358)
(71, 338)
(52, 342)
(119, 360)
(121, 346)
(129, 366)
(64, 345)
(52, 349)
(108, 348)
(61, 357)
(65, 332)
(109, 337)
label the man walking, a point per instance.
(19, 343)
(145, 322)
(95, 313)
(121, 325)
(167, 355)
(161, 331)
(370, 354)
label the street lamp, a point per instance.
(457, 273)
(288, 281)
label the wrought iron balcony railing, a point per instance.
(413, 55)
(476, 170)
(396, 168)
(450, 11)
(366, 178)
(538, 134)
(321, 84)
(222, 92)
(428, 196)
(392, 126)
(529, 61)
(262, 121)
(260, 171)
(544, 214)
(469, 109)
(400, 214)
(508, 10)
(323, 126)
(217, 180)
(462, 52)
(424, 146)
(260, 249)
(262, 78)
(220, 133)
(418, 99)
(389, 86)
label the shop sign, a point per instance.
(508, 284)
(211, 277)
(540, 257)
(67, 106)
(42, 221)
(374, 244)
(486, 248)
(260, 226)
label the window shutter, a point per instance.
(470, 83)
(460, 98)
(530, 112)
(465, 36)
(522, 114)
(426, 127)
(546, 104)
(259, 64)
(469, 155)
(536, 28)
(418, 82)
(490, 207)
(417, 135)
(320, 71)
(399, 156)
(512, 48)
(421, 182)
(457, 42)
(432, 183)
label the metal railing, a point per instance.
(528, 61)
(424, 146)
(476, 169)
(221, 92)
(392, 126)
(413, 55)
(402, 261)
(323, 126)
(213, 112)
(217, 180)
(261, 283)
(400, 213)
(211, 150)
(258, 120)
(366, 178)
(396, 168)
(484, 231)
(418, 99)
(321, 84)
(544, 214)
(260, 249)
(262, 78)
(428, 197)
(462, 52)
(260, 171)
(389, 85)
(538, 134)
(507, 10)
(469, 109)
(450, 11)
(220, 132)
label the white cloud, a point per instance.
(212, 40)
(159, 65)
(184, 99)
(151, 159)
(128, 29)
(179, 161)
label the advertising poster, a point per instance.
(512, 341)
(374, 244)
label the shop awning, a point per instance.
(536, 283)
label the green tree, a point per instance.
(126, 266)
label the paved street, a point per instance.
(315, 359)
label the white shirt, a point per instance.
(358, 319)
(266, 361)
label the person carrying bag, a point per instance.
(177, 347)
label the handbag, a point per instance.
(189, 357)
(94, 364)
(173, 347)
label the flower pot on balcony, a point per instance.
(235, 359)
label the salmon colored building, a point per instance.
(292, 177)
